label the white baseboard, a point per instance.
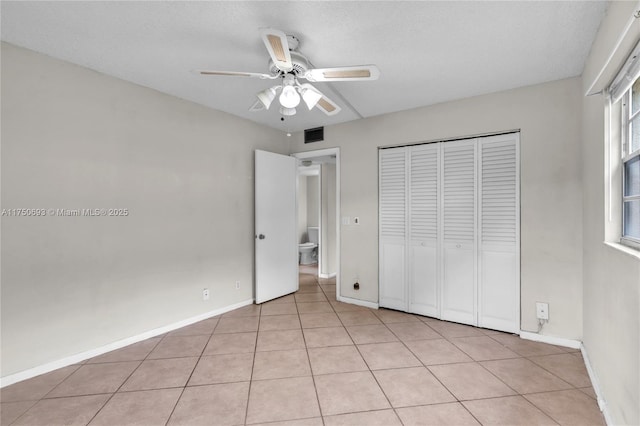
(358, 302)
(602, 404)
(74, 359)
(552, 340)
(326, 276)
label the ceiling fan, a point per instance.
(288, 65)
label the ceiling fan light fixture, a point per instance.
(310, 97)
(267, 96)
(287, 112)
(289, 65)
(289, 98)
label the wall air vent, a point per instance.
(314, 135)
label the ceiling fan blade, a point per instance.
(278, 48)
(257, 106)
(353, 73)
(261, 76)
(327, 106)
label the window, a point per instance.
(631, 166)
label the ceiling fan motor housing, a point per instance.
(299, 62)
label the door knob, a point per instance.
(261, 237)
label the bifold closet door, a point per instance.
(450, 231)
(499, 236)
(393, 221)
(459, 256)
(423, 229)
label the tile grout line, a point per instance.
(184, 388)
(72, 396)
(304, 340)
(26, 411)
(423, 364)
(253, 363)
(369, 367)
(448, 339)
(519, 356)
(125, 380)
(554, 374)
(459, 401)
(541, 410)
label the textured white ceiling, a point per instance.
(427, 52)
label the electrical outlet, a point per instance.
(542, 311)
(237, 285)
(205, 294)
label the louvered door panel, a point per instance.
(423, 237)
(498, 285)
(393, 222)
(459, 231)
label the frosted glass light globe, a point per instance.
(289, 98)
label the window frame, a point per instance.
(626, 156)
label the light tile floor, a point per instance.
(305, 359)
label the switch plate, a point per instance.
(205, 294)
(346, 220)
(542, 311)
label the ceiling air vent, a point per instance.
(314, 135)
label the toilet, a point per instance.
(309, 250)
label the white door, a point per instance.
(423, 235)
(393, 195)
(498, 205)
(459, 232)
(276, 244)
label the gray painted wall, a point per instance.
(611, 275)
(549, 116)
(74, 138)
(313, 201)
(328, 228)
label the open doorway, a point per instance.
(318, 214)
